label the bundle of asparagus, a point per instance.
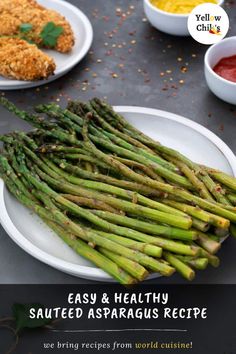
(120, 199)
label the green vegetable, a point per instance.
(26, 27)
(115, 196)
(22, 319)
(50, 34)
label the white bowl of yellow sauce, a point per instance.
(171, 16)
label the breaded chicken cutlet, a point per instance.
(23, 61)
(13, 13)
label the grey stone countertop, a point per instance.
(130, 63)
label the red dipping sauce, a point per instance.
(226, 68)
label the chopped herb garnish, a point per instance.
(25, 27)
(50, 34)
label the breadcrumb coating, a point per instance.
(23, 61)
(13, 13)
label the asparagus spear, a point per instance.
(76, 210)
(84, 250)
(92, 106)
(207, 243)
(69, 152)
(50, 129)
(75, 170)
(98, 138)
(6, 139)
(116, 191)
(146, 227)
(200, 225)
(214, 237)
(132, 144)
(203, 175)
(163, 172)
(79, 246)
(208, 206)
(37, 121)
(111, 115)
(88, 166)
(116, 119)
(11, 174)
(55, 148)
(126, 232)
(197, 263)
(43, 168)
(124, 151)
(199, 214)
(233, 230)
(134, 164)
(156, 215)
(213, 260)
(133, 268)
(85, 158)
(220, 233)
(78, 108)
(180, 266)
(222, 177)
(96, 204)
(215, 189)
(192, 176)
(173, 190)
(150, 250)
(115, 268)
(94, 237)
(25, 139)
(175, 220)
(232, 198)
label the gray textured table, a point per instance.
(132, 64)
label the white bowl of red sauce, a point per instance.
(220, 69)
(171, 16)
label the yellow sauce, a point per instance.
(179, 6)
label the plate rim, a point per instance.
(19, 85)
(93, 273)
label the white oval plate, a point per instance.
(190, 138)
(83, 33)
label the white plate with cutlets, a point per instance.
(83, 34)
(184, 135)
